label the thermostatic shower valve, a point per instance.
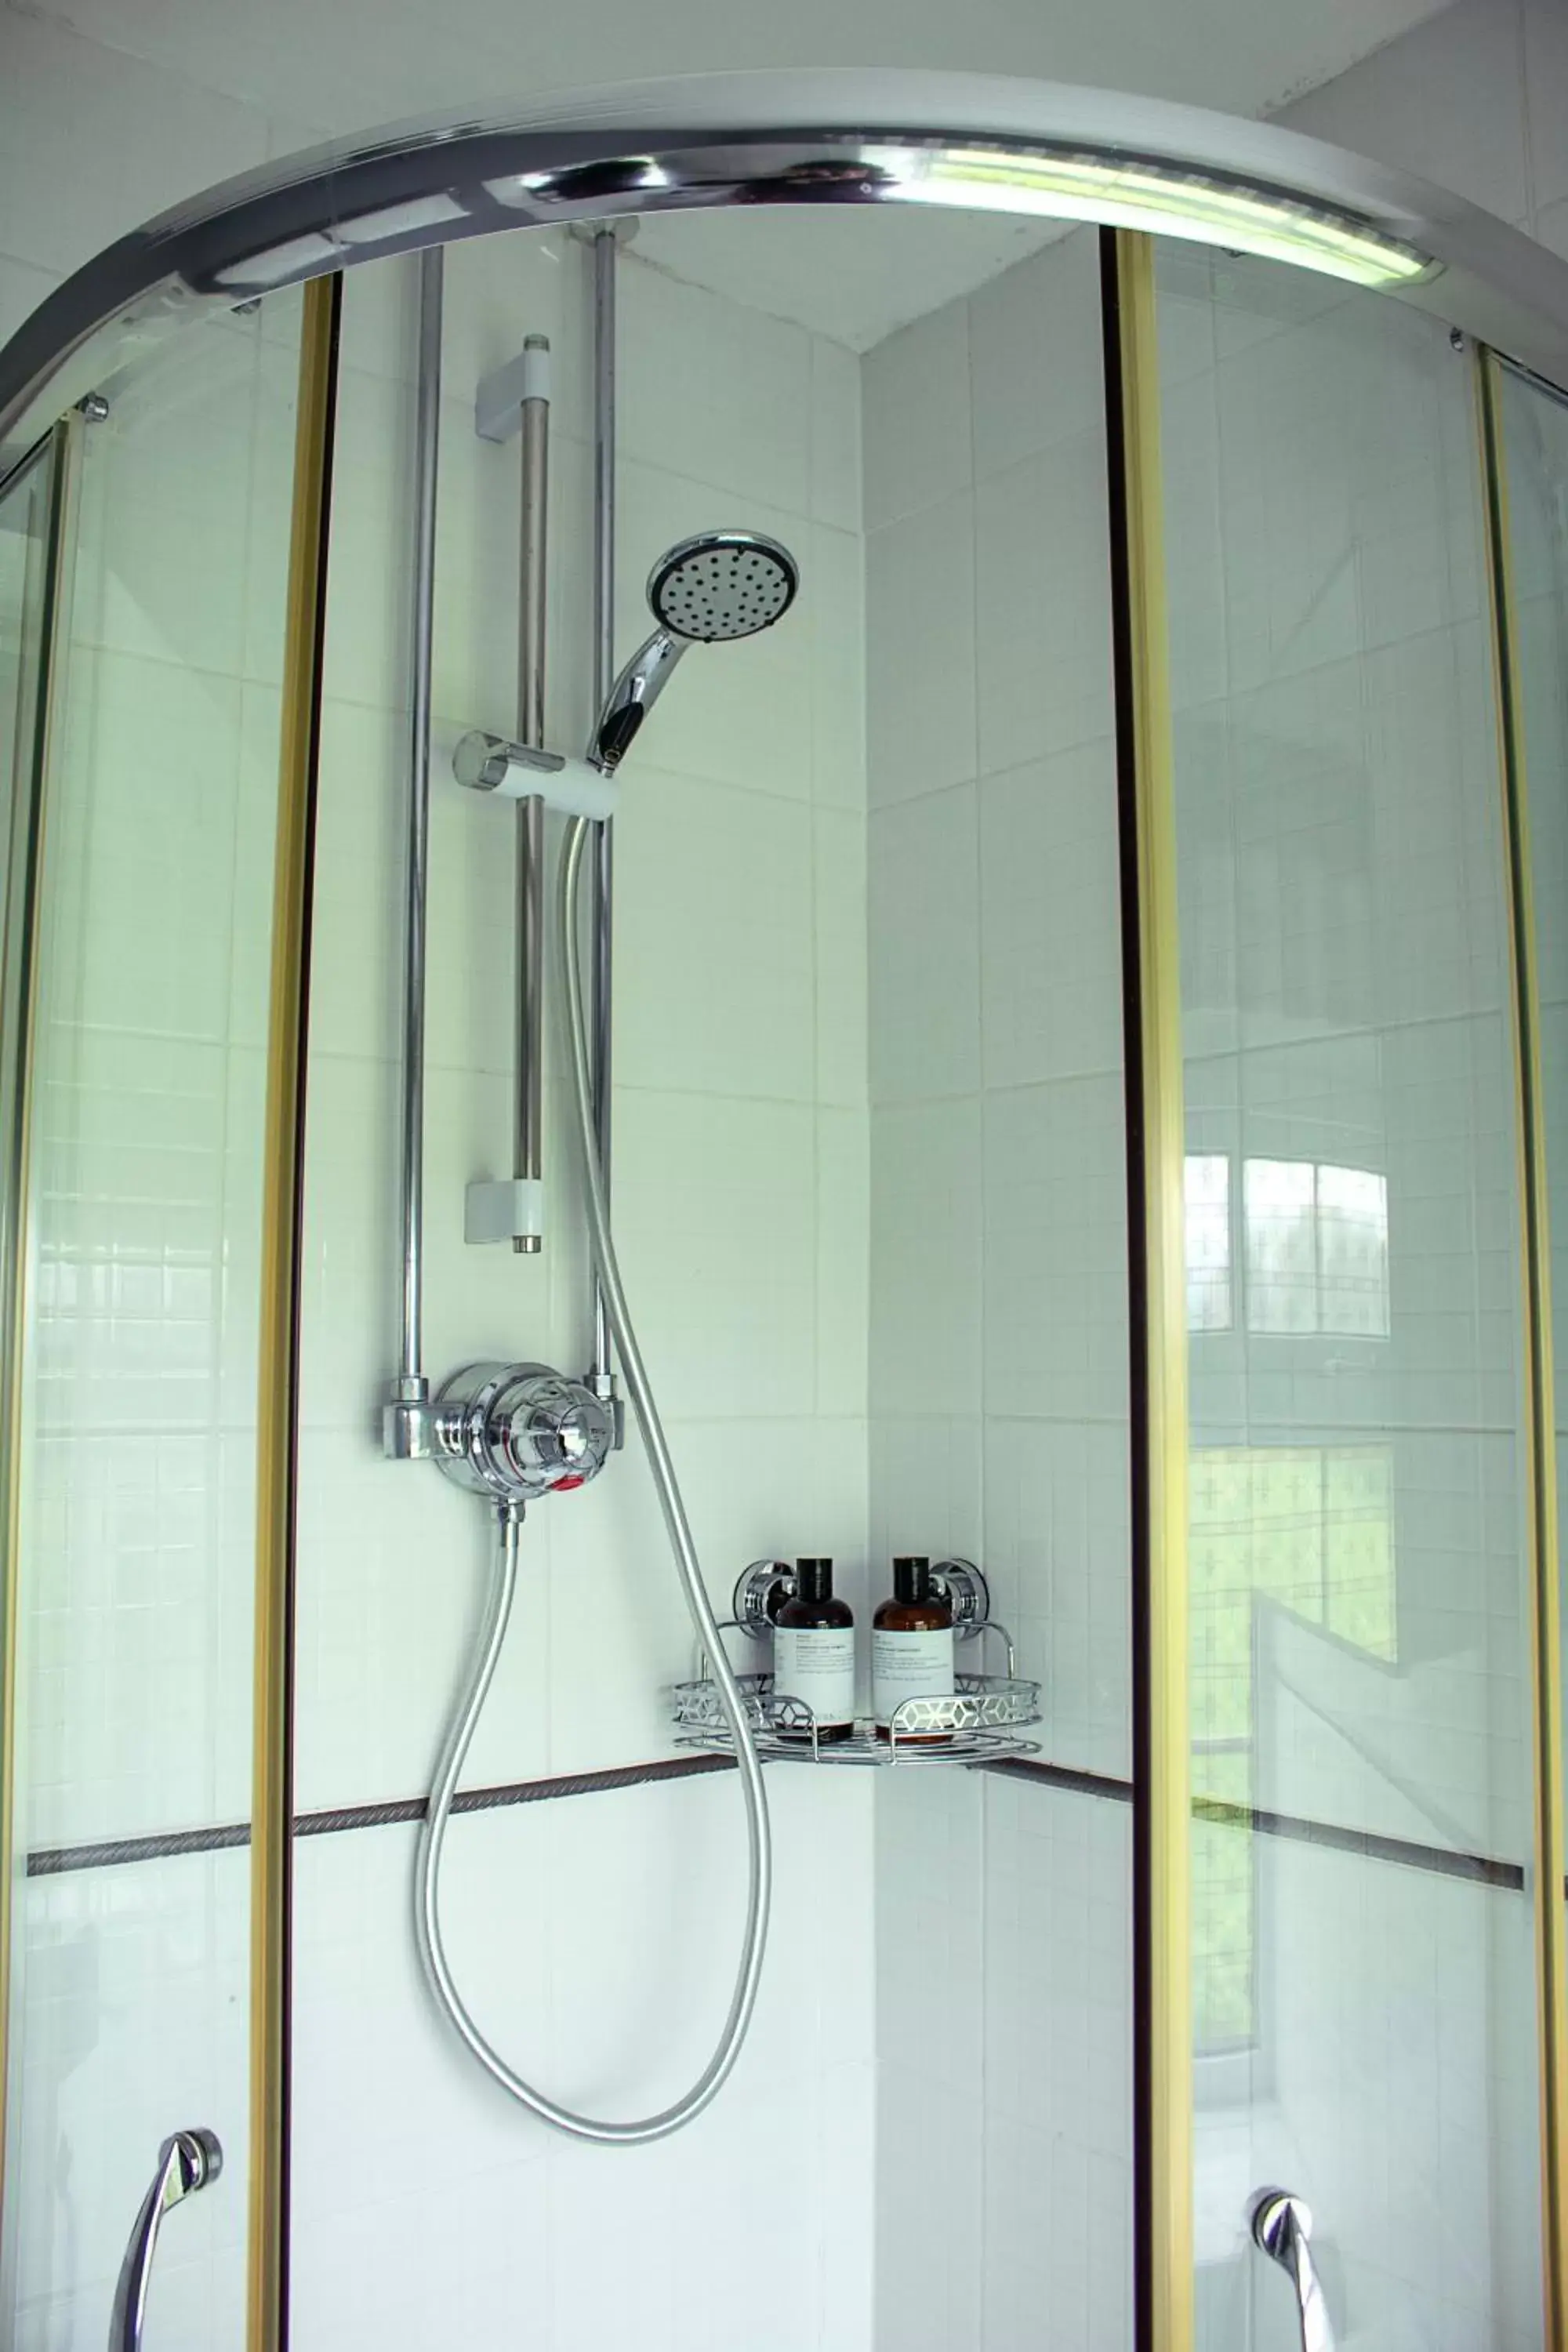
(513, 1432)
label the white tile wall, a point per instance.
(1043, 604)
(1032, 382)
(1056, 1539)
(683, 924)
(612, 1995)
(1056, 1253)
(1051, 958)
(917, 383)
(919, 650)
(925, 916)
(926, 1257)
(1057, 2070)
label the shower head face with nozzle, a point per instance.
(722, 586)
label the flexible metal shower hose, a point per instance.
(460, 1731)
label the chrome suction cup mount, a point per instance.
(514, 1432)
(966, 1592)
(761, 1591)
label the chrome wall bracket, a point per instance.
(498, 401)
(622, 226)
(408, 1422)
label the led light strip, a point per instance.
(1171, 200)
(1130, 192)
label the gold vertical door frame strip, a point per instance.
(1541, 1417)
(1156, 1146)
(272, 1800)
(20, 948)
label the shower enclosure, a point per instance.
(1089, 1009)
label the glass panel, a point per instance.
(1535, 445)
(23, 536)
(30, 523)
(1363, 1980)
(130, 2013)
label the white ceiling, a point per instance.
(323, 68)
(854, 274)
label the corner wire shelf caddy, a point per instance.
(981, 1723)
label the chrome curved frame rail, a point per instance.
(716, 140)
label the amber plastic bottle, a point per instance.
(814, 1651)
(911, 1649)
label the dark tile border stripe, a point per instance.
(50, 1861)
(1443, 1861)
(1370, 1845)
(1065, 1776)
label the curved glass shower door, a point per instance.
(1360, 1593)
(1529, 445)
(127, 2016)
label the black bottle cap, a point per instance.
(912, 1578)
(813, 1579)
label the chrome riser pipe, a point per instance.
(602, 901)
(407, 1431)
(528, 1142)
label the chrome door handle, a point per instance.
(1283, 2227)
(187, 2161)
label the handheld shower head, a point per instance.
(706, 590)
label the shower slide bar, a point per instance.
(1282, 2229)
(188, 2161)
(515, 398)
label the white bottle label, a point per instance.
(816, 1663)
(909, 1665)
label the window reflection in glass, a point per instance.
(1309, 1529)
(1314, 1247)
(1209, 1304)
